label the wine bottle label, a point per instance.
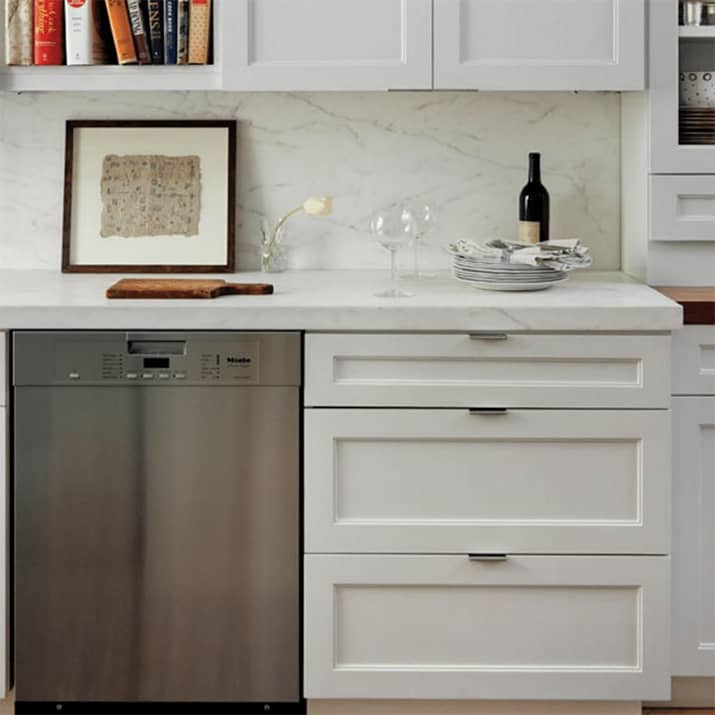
(529, 231)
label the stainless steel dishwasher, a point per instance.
(157, 522)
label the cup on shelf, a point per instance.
(692, 12)
(697, 89)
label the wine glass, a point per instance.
(424, 218)
(393, 228)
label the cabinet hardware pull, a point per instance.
(488, 336)
(488, 411)
(487, 557)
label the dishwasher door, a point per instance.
(157, 544)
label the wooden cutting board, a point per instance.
(163, 288)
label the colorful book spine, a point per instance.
(121, 31)
(199, 31)
(171, 31)
(140, 32)
(19, 32)
(182, 38)
(49, 42)
(84, 44)
(156, 31)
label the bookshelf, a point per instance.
(113, 78)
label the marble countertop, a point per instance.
(338, 300)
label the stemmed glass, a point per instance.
(393, 228)
(424, 218)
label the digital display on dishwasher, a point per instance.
(158, 363)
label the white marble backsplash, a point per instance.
(463, 152)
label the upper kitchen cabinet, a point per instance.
(330, 45)
(539, 44)
(682, 119)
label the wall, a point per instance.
(463, 152)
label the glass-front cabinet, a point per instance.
(682, 83)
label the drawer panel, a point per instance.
(529, 481)
(694, 360)
(531, 627)
(459, 370)
(682, 208)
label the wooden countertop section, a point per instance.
(698, 303)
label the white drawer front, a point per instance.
(4, 375)
(694, 360)
(694, 536)
(459, 370)
(445, 481)
(532, 627)
(682, 208)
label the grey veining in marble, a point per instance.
(464, 152)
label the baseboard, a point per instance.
(690, 693)
(455, 707)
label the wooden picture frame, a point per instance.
(211, 249)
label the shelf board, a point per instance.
(110, 78)
(696, 32)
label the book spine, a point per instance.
(156, 31)
(170, 31)
(182, 39)
(139, 30)
(49, 43)
(19, 33)
(83, 42)
(199, 32)
(121, 31)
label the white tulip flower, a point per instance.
(312, 206)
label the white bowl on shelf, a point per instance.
(697, 89)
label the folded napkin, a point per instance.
(561, 255)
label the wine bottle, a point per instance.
(534, 205)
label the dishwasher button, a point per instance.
(73, 376)
(180, 375)
(148, 376)
(132, 376)
(163, 376)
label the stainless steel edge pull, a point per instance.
(488, 558)
(488, 411)
(488, 336)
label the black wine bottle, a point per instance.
(534, 206)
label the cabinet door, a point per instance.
(296, 45)
(448, 627)
(539, 44)
(4, 555)
(452, 481)
(668, 56)
(694, 536)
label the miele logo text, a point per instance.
(239, 360)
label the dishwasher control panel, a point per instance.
(143, 359)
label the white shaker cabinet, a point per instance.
(341, 45)
(539, 44)
(694, 536)
(4, 541)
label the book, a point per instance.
(199, 31)
(140, 31)
(49, 43)
(156, 31)
(121, 31)
(84, 44)
(19, 32)
(182, 36)
(171, 28)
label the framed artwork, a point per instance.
(149, 197)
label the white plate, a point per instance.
(505, 268)
(495, 278)
(510, 287)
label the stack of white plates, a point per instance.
(505, 276)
